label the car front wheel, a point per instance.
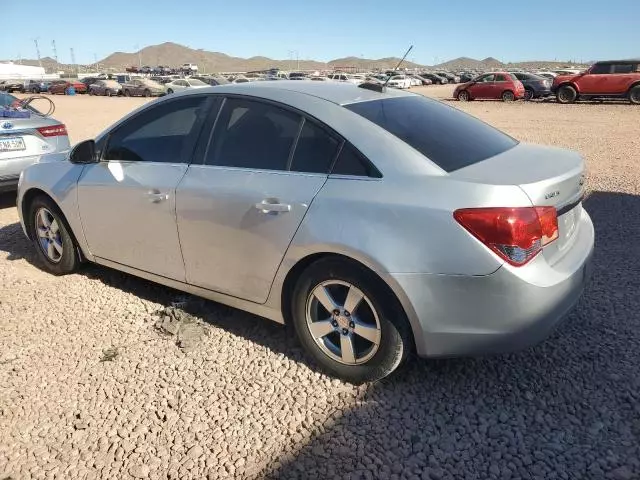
(52, 237)
(566, 94)
(463, 95)
(634, 95)
(350, 323)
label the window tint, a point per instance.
(158, 134)
(600, 69)
(624, 68)
(448, 137)
(501, 78)
(250, 134)
(351, 162)
(315, 150)
(487, 78)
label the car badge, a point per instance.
(7, 125)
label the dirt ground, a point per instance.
(103, 375)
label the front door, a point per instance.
(596, 80)
(482, 87)
(127, 200)
(238, 212)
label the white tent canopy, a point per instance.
(15, 71)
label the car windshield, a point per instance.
(445, 135)
(199, 83)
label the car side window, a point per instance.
(600, 69)
(624, 68)
(253, 134)
(500, 78)
(353, 163)
(315, 150)
(159, 134)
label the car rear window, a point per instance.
(448, 137)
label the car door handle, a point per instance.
(266, 206)
(156, 197)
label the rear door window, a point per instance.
(448, 137)
(254, 135)
(624, 68)
(315, 150)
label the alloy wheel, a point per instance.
(343, 322)
(49, 235)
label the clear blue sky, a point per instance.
(326, 29)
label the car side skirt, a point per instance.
(254, 308)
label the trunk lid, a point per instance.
(19, 137)
(549, 176)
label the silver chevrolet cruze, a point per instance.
(375, 222)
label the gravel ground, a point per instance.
(108, 376)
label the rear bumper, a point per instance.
(508, 310)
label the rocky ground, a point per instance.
(103, 375)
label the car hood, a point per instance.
(463, 85)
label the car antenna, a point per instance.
(398, 66)
(376, 87)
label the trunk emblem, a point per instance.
(551, 195)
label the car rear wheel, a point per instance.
(634, 95)
(528, 94)
(52, 237)
(463, 96)
(348, 322)
(127, 93)
(147, 92)
(508, 96)
(566, 94)
(169, 91)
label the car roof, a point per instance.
(632, 61)
(338, 93)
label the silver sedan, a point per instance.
(376, 222)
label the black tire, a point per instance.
(147, 93)
(528, 94)
(127, 93)
(464, 96)
(395, 335)
(107, 93)
(566, 94)
(90, 92)
(69, 259)
(634, 95)
(169, 91)
(508, 96)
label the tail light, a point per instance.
(53, 131)
(515, 234)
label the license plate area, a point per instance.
(12, 144)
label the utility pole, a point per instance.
(35, 40)
(73, 60)
(55, 51)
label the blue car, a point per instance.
(535, 86)
(36, 86)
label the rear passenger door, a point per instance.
(622, 77)
(239, 209)
(499, 85)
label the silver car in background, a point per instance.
(24, 141)
(376, 222)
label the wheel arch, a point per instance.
(568, 84)
(392, 290)
(633, 85)
(25, 203)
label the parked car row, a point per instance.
(611, 79)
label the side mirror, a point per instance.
(84, 153)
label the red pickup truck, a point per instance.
(610, 79)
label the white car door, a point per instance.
(127, 200)
(239, 209)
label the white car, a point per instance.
(399, 81)
(189, 67)
(415, 81)
(343, 77)
(184, 83)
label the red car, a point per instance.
(610, 79)
(61, 86)
(497, 86)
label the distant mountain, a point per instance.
(173, 55)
